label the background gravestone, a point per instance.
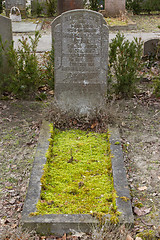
(152, 47)
(114, 8)
(21, 4)
(6, 36)
(81, 60)
(66, 5)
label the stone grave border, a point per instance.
(128, 27)
(60, 224)
(26, 26)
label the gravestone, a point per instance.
(66, 5)
(152, 47)
(114, 8)
(6, 36)
(80, 40)
(21, 4)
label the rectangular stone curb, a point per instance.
(131, 26)
(59, 224)
(25, 27)
(120, 179)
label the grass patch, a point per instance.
(78, 177)
(117, 21)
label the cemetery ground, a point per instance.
(138, 120)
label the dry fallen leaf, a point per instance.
(94, 124)
(129, 237)
(142, 188)
(142, 211)
(51, 92)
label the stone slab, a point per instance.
(25, 27)
(120, 178)
(80, 40)
(152, 47)
(128, 27)
(59, 224)
(6, 35)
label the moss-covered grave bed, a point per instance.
(78, 175)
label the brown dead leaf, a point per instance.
(129, 237)
(51, 92)
(43, 88)
(75, 122)
(12, 201)
(14, 226)
(4, 107)
(142, 188)
(64, 237)
(94, 125)
(142, 211)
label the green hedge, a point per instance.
(1, 6)
(138, 6)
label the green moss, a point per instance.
(147, 235)
(78, 174)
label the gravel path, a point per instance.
(45, 41)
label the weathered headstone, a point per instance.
(66, 5)
(114, 8)
(152, 47)
(21, 4)
(6, 36)
(81, 57)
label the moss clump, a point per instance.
(78, 174)
(147, 235)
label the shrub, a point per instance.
(134, 5)
(138, 6)
(51, 7)
(48, 68)
(124, 61)
(151, 5)
(24, 75)
(157, 87)
(1, 6)
(93, 5)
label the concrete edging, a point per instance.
(128, 27)
(60, 224)
(26, 27)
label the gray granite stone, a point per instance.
(6, 36)
(80, 39)
(152, 47)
